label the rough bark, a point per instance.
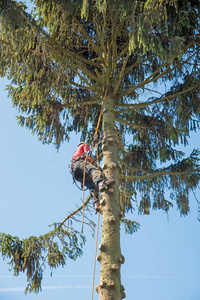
(110, 256)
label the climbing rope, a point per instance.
(102, 140)
(83, 201)
(83, 184)
(93, 278)
(99, 120)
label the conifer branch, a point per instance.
(76, 56)
(74, 65)
(71, 104)
(174, 68)
(122, 53)
(101, 38)
(75, 68)
(5, 42)
(131, 125)
(90, 40)
(100, 78)
(132, 169)
(152, 78)
(148, 80)
(159, 100)
(23, 48)
(158, 173)
(121, 74)
(56, 48)
(88, 88)
(137, 63)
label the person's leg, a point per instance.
(95, 197)
(98, 178)
(94, 173)
(95, 180)
(94, 192)
(77, 170)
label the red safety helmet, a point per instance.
(81, 144)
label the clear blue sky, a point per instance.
(161, 260)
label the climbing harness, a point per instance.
(74, 181)
(82, 156)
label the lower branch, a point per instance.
(74, 212)
(159, 173)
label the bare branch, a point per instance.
(74, 212)
(88, 88)
(131, 125)
(131, 168)
(159, 100)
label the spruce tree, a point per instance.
(124, 70)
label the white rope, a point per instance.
(95, 256)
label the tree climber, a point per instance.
(95, 179)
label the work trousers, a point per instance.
(93, 176)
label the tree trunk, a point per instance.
(110, 256)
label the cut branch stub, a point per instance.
(112, 219)
(115, 267)
(110, 141)
(103, 202)
(123, 295)
(122, 288)
(121, 259)
(98, 257)
(121, 214)
(104, 147)
(102, 283)
(110, 283)
(102, 247)
(112, 166)
(104, 166)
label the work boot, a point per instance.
(106, 184)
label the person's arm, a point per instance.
(89, 157)
(92, 161)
